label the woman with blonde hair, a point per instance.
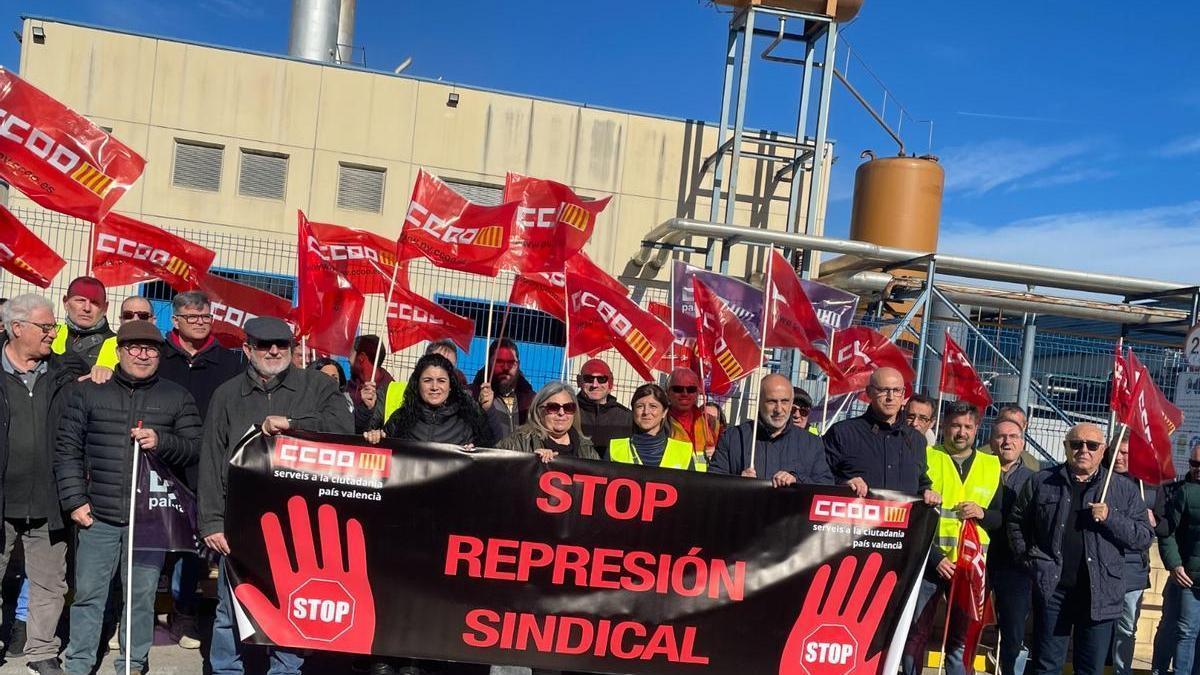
(553, 427)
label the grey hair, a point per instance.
(197, 299)
(537, 416)
(21, 308)
(445, 344)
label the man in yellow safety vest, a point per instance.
(969, 483)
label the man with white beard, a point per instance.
(276, 397)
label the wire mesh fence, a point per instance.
(1072, 372)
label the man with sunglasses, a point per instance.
(276, 397)
(688, 421)
(1074, 545)
(877, 450)
(192, 358)
(93, 466)
(601, 417)
(801, 409)
(85, 330)
(35, 380)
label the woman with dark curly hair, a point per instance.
(437, 408)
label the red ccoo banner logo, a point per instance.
(863, 512)
(331, 458)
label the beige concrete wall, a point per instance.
(153, 92)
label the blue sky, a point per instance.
(1069, 135)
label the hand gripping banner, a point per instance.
(489, 556)
(57, 157)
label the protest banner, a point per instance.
(491, 556)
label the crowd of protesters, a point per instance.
(1067, 546)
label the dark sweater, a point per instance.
(794, 450)
(604, 421)
(888, 456)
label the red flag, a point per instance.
(57, 157)
(127, 251)
(1120, 398)
(412, 318)
(551, 223)
(1152, 420)
(546, 291)
(791, 319)
(858, 351)
(451, 231)
(233, 304)
(682, 353)
(724, 344)
(639, 337)
(960, 378)
(329, 307)
(25, 255)
(357, 255)
(969, 599)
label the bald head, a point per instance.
(1084, 446)
(886, 391)
(775, 403)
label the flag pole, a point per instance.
(946, 628)
(1112, 414)
(487, 354)
(1112, 462)
(304, 350)
(387, 301)
(937, 413)
(137, 448)
(768, 303)
(825, 402)
(566, 343)
(671, 305)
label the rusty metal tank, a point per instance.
(846, 9)
(898, 202)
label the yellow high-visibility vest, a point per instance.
(983, 480)
(393, 398)
(108, 351)
(677, 455)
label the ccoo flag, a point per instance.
(357, 255)
(960, 378)
(725, 345)
(452, 232)
(128, 251)
(234, 304)
(329, 307)
(600, 314)
(25, 255)
(551, 224)
(858, 351)
(1152, 420)
(791, 319)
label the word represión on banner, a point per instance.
(490, 556)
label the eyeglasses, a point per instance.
(557, 408)
(265, 345)
(1076, 444)
(195, 319)
(141, 350)
(684, 390)
(140, 316)
(593, 379)
(914, 417)
(47, 328)
(800, 408)
(886, 391)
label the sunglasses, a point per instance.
(1077, 444)
(593, 379)
(265, 345)
(140, 316)
(684, 390)
(557, 408)
(801, 408)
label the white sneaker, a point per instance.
(188, 642)
(114, 642)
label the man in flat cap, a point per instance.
(93, 464)
(276, 397)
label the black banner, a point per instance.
(490, 556)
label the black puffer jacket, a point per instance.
(448, 423)
(94, 450)
(602, 422)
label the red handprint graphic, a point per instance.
(326, 606)
(832, 638)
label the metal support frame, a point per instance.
(930, 271)
(816, 181)
(1029, 339)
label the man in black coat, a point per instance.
(192, 358)
(601, 417)
(786, 454)
(275, 397)
(34, 380)
(94, 467)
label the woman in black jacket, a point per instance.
(437, 408)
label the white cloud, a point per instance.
(1157, 242)
(1180, 147)
(982, 167)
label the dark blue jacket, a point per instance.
(795, 450)
(1000, 553)
(1137, 562)
(886, 456)
(1035, 531)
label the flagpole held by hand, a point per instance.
(1112, 462)
(825, 403)
(487, 356)
(128, 620)
(768, 304)
(387, 301)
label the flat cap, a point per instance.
(138, 331)
(267, 329)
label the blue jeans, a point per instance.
(1164, 635)
(1186, 628)
(225, 655)
(1123, 636)
(912, 662)
(1067, 613)
(185, 577)
(99, 554)
(1012, 589)
(22, 611)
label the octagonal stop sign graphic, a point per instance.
(321, 610)
(829, 649)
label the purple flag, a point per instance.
(165, 513)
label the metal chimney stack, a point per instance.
(314, 33)
(345, 32)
